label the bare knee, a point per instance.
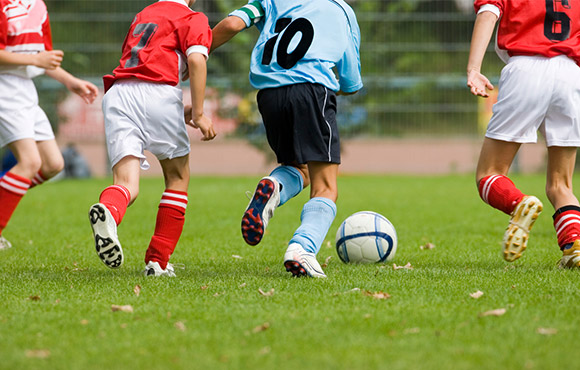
(52, 167)
(27, 166)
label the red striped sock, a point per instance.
(500, 192)
(37, 180)
(12, 189)
(567, 225)
(168, 228)
(116, 198)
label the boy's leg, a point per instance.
(106, 215)
(316, 218)
(283, 183)
(170, 216)
(16, 182)
(561, 161)
(52, 162)
(497, 190)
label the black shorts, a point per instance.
(300, 123)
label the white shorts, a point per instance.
(538, 93)
(20, 115)
(144, 116)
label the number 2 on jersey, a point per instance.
(145, 30)
(288, 60)
(557, 24)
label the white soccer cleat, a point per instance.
(571, 256)
(302, 263)
(4, 244)
(105, 232)
(154, 269)
(522, 219)
(260, 210)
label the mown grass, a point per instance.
(56, 295)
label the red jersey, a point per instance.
(158, 42)
(537, 27)
(24, 28)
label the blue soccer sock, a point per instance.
(290, 179)
(317, 216)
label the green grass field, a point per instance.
(56, 295)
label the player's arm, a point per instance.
(82, 88)
(45, 59)
(237, 21)
(482, 33)
(349, 67)
(225, 30)
(196, 63)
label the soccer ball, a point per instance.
(366, 237)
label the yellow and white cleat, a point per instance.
(522, 219)
(571, 257)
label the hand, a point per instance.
(84, 89)
(478, 83)
(49, 59)
(204, 124)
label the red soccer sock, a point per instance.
(168, 228)
(116, 198)
(37, 180)
(500, 192)
(567, 224)
(12, 189)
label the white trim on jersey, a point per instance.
(24, 47)
(490, 8)
(183, 2)
(198, 49)
(255, 11)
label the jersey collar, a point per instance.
(182, 2)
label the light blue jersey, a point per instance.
(302, 41)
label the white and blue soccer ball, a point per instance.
(366, 237)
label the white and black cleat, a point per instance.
(107, 243)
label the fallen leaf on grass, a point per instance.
(237, 257)
(263, 327)
(125, 308)
(497, 312)
(476, 295)
(38, 353)
(412, 331)
(137, 290)
(427, 246)
(406, 267)
(266, 294)
(34, 298)
(84, 322)
(203, 287)
(243, 285)
(547, 331)
(377, 295)
(180, 326)
(326, 261)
